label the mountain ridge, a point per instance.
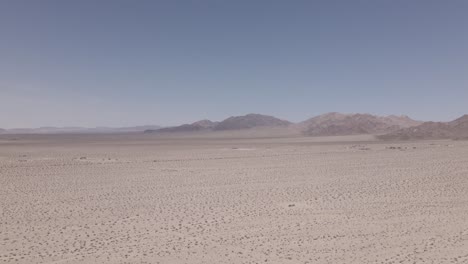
(339, 124)
(328, 124)
(231, 123)
(455, 129)
(250, 121)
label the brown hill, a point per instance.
(456, 129)
(205, 123)
(460, 124)
(337, 124)
(231, 123)
(250, 121)
(401, 121)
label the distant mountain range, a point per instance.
(197, 126)
(337, 124)
(330, 124)
(249, 121)
(456, 129)
(78, 130)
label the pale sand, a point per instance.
(145, 199)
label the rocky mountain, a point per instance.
(330, 124)
(401, 121)
(250, 121)
(456, 129)
(206, 124)
(338, 124)
(232, 123)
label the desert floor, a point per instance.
(148, 199)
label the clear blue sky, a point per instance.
(119, 63)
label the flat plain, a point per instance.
(149, 199)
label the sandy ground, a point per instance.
(129, 199)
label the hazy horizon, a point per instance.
(122, 63)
